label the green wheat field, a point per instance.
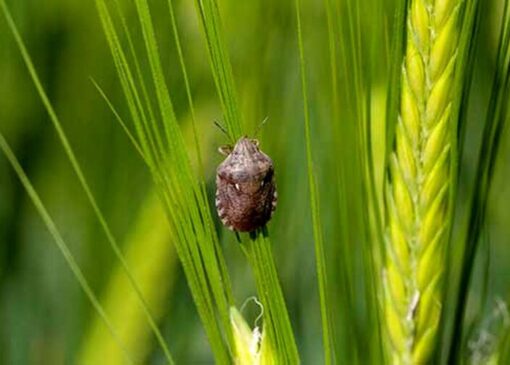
(387, 123)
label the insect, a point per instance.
(245, 186)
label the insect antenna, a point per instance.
(259, 127)
(224, 130)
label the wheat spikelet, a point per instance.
(251, 345)
(418, 183)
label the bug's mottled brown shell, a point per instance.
(245, 187)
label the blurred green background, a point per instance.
(44, 316)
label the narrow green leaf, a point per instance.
(210, 21)
(314, 204)
(277, 325)
(258, 252)
(183, 195)
(496, 120)
(59, 241)
(81, 177)
(154, 263)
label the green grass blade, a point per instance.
(261, 260)
(277, 325)
(314, 205)
(146, 130)
(154, 263)
(397, 52)
(467, 51)
(175, 143)
(210, 21)
(496, 120)
(61, 244)
(205, 202)
(81, 177)
(354, 267)
(148, 126)
(187, 88)
(119, 119)
(183, 195)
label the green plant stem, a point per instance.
(314, 204)
(61, 244)
(81, 177)
(276, 319)
(210, 21)
(186, 206)
(154, 263)
(495, 121)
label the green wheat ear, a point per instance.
(418, 182)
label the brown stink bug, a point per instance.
(245, 187)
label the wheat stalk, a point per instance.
(418, 182)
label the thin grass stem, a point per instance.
(81, 177)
